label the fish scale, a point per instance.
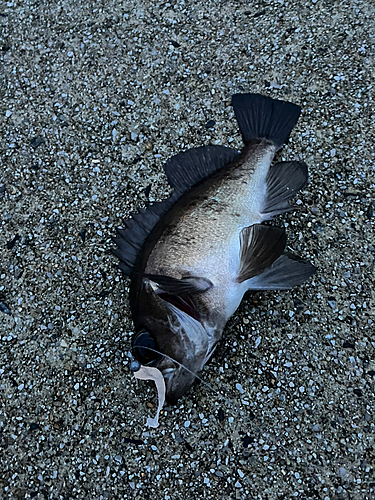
(227, 206)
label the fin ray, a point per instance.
(138, 229)
(260, 246)
(186, 169)
(284, 180)
(261, 117)
(286, 272)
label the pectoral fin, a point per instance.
(260, 246)
(191, 285)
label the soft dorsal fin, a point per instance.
(137, 230)
(192, 166)
(190, 285)
(183, 172)
(260, 246)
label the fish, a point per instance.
(192, 257)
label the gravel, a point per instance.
(94, 98)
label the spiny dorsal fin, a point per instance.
(137, 230)
(260, 246)
(192, 166)
(183, 172)
(284, 180)
(287, 271)
(190, 285)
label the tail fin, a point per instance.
(262, 117)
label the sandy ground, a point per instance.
(95, 96)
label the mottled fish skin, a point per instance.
(203, 237)
(200, 236)
(210, 216)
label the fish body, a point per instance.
(192, 257)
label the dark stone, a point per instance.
(188, 446)
(370, 211)
(4, 308)
(271, 379)
(371, 373)
(257, 14)
(210, 124)
(260, 13)
(247, 440)
(82, 234)
(2, 189)
(138, 442)
(179, 438)
(358, 392)
(298, 304)
(175, 44)
(12, 242)
(18, 273)
(34, 426)
(348, 345)
(4, 442)
(220, 414)
(36, 142)
(147, 190)
(332, 302)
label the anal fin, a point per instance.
(260, 246)
(286, 272)
(284, 180)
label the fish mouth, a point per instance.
(183, 304)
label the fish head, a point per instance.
(170, 337)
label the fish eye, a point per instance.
(143, 342)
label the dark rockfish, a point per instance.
(192, 257)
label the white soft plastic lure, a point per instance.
(151, 373)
